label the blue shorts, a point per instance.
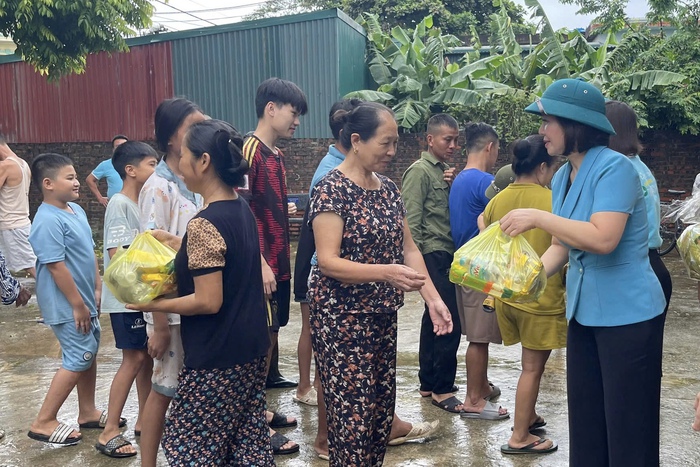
(78, 350)
(129, 330)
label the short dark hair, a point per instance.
(624, 120)
(479, 135)
(131, 153)
(363, 120)
(529, 153)
(224, 144)
(281, 92)
(580, 137)
(169, 116)
(47, 165)
(335, 124)
(116, 137)
(439, 120)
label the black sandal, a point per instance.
(277, 441)
(110, 449)
(280, 421)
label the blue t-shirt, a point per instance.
(467, 201)
(329, 162)
(105, 169)
(121, 227)
(59, 235)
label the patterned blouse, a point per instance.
(373, 234)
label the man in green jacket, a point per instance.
(425, 191)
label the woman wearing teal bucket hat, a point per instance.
(614, 300)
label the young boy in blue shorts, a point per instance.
(134, 161)
(68, 293)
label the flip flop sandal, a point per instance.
(536, 425)
(418, 431)
(280, 421)
(323, 457)
(110, 449)
(489, 412)
(530, 448)
(448, 404)
(102, 422)
(277, 441)
(309, 398)
(60, 435)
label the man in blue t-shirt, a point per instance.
(105, 169)
(467, 201)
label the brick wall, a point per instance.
(674, 160)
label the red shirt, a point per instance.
(266, 191)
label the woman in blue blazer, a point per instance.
(614, 300)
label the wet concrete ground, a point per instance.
(29, 356)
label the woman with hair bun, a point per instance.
(541, 325)
(366, 261)
(218, 412)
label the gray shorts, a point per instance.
(14, 244)
(479, 326)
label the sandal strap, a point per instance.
(278, 440)
(115, 443)
(103, 419)
(60, 434)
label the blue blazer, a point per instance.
(618, 288)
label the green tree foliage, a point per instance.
(456, 17)
(55, 36)
(416, 80)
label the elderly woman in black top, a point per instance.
(218, 413)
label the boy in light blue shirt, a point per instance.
(68, 289)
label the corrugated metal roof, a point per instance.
(323, 55)
(117, 94)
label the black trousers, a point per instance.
(437, 355)
(662, 274)
(614, 392)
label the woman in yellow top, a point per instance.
(540, 326)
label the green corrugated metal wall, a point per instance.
(322, 52)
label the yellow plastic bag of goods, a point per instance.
(689, 248)
(142, 272)
(505, 267)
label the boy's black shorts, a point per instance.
(129, 330)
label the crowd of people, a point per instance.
(203, 358)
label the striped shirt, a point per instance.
(266, 191)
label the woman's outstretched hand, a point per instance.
(441, 318)
(518, 221)
(404, 278)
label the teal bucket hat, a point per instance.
(576, 100)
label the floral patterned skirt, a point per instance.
(218, 418)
